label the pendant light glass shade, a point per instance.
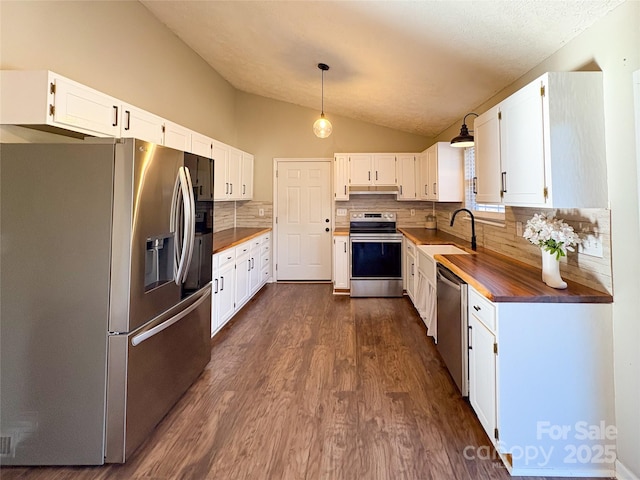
(465, 139)
(322, 127)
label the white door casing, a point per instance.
(303, 217)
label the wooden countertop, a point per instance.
(341, 231)
(232, 237)
(501, 278)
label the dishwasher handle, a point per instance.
(450, 280)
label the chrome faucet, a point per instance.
(473, 225)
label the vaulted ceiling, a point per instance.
(416, 66)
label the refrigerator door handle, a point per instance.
(182, 212)
(190, 212)
(138, 339)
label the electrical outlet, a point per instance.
(591, 244)
(261, 212)
(341, 212)
(519, 229)
(413, 212)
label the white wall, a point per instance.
(119, 48)
(613, 46)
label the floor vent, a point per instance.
(5, 446)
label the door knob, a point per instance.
(326, 220)
(326, 229)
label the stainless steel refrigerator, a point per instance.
(98, 335)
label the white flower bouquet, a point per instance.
(551, 234)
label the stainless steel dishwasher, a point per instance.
(452, 326)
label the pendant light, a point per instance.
(465, 139)
(322, 127)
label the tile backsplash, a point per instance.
(592, 271)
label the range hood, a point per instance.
(377, 190)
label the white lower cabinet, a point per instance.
(425, 292)
(482, 373)
(224, 269)
(410, 268)
(238, 274)
(340, 262)
(541, 384)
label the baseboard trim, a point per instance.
(623, 473)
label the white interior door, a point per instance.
(304, 220)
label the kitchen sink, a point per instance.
(432, 250)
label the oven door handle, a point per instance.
(376, 240)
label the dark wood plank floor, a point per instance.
(306, 385)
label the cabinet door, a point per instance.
(482, 374)
(255, 263)
(203, 179)
(220, 171)
(247, 176)
(432, 173)
(341, 262)
(410, 271)
(384, 170)
(137, 123)
(80, 106)
(486, 132)
(243, 275)
(235, 174)
(423, 177)
(522, 147)
(201, 145)
(226, 293)
(407, 177)
(176, 136)
(360, 167)
(215, 295)
(341, 177)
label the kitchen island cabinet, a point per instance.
(541, 383)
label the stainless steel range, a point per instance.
(376, 255)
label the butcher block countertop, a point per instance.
(501, 278)
(341, 231)
(232, 237)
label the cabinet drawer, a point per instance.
(264, 249)
(482, 309)
(226, 257)
(266, 238)
(242, 249)
(411, 248)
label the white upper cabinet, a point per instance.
(341, 177)
(247, 176)
(441, 173)
(201, 145)
(220, 169)
(176, 136)
(486, 132)
(137, 123)
(233, 173)
(360, 167)
(372, 169)
(552, 146)
(45, 98)
(406, 165)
